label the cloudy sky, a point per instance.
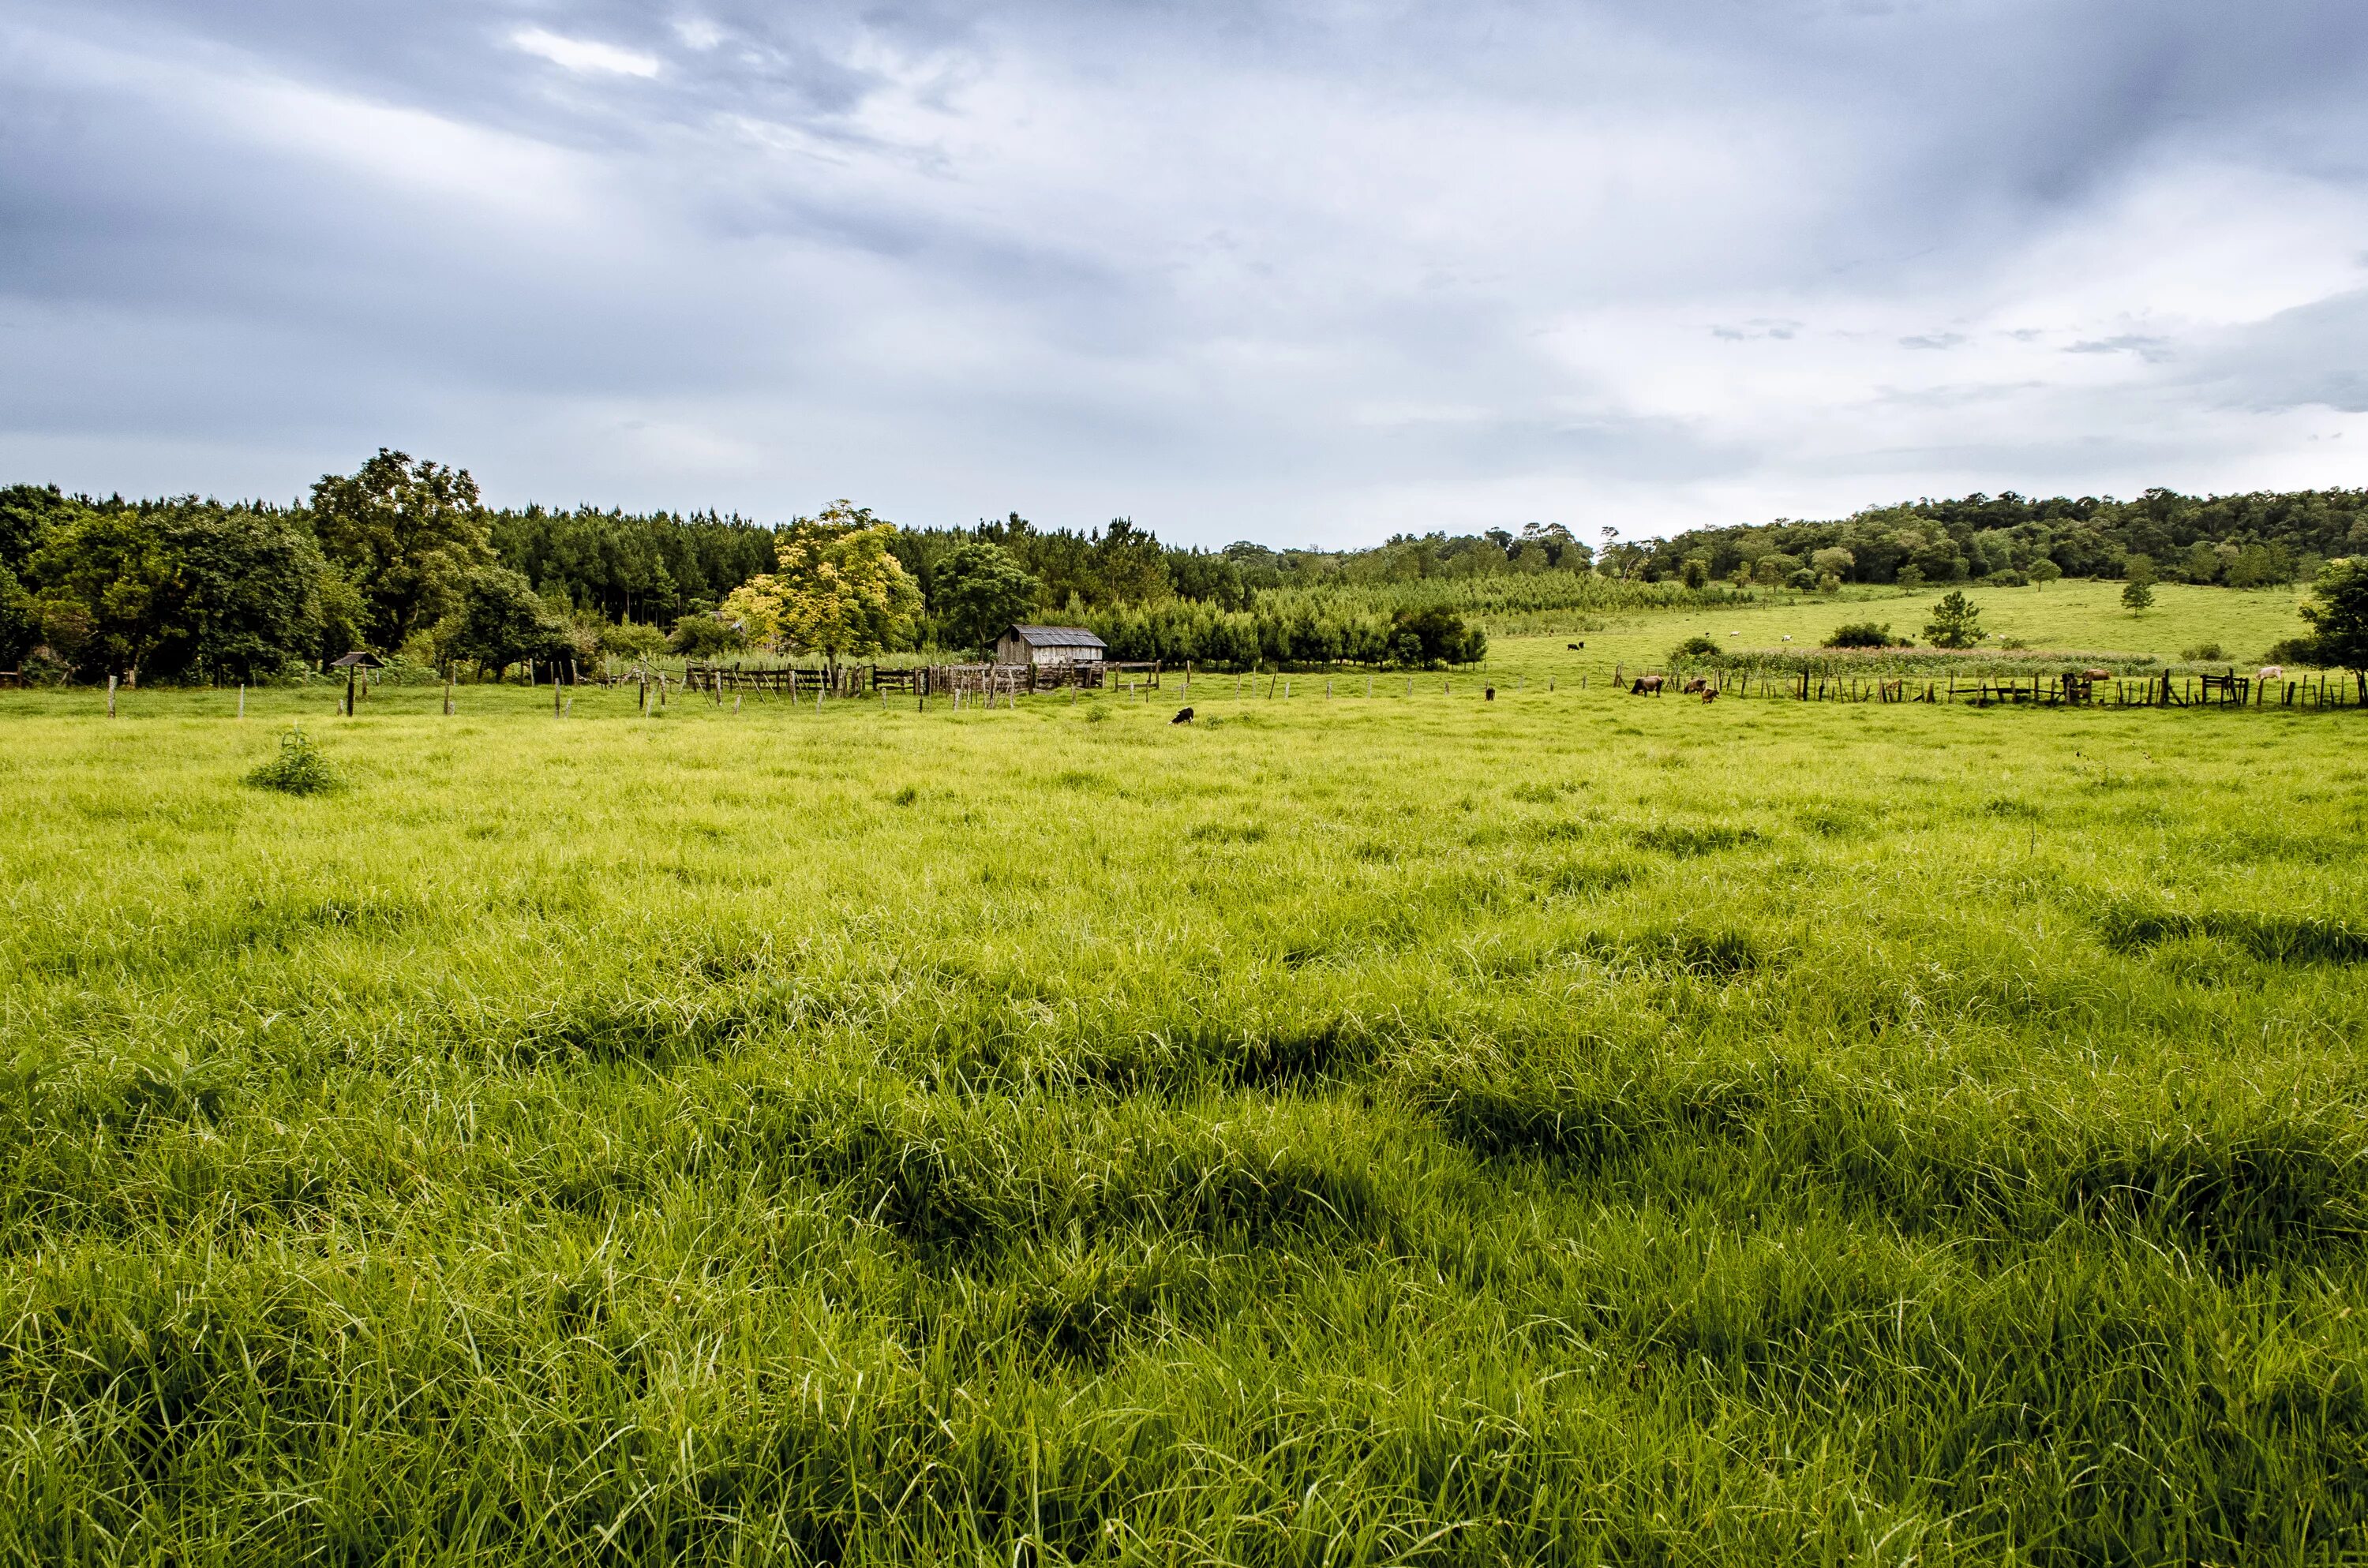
(1308, 273)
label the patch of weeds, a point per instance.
(1227, 832)
(1541, 793)
(905, 796)
(1080, 779)
(2006, 806)
(299, 770)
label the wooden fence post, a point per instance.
(111, 697)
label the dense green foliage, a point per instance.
(652, 568)
(2338, 614)
(1567, 1128)
(978, 589)
(381, 558)
(2236, 540)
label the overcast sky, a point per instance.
(1310, 274)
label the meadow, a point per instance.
(1567, 1128)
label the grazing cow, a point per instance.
(1183, 716)
(2096, 675)
(2273, 671)
(1573, 647)
(1695, 685)
(1646, 686)
(1709, 694)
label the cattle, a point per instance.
(2273, 671)
(2096, 675)
(1695, 685)
(1646, 686)
(1709, 694)
(1575, 647)
(1184, 716)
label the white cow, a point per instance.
(2273, 671)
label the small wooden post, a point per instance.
(448, 694)
(558, 707)
(111, 697)
(242, 699)
(349, 691)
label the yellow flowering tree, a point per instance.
(838, 592)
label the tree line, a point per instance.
(401, 557)
(2240, 542)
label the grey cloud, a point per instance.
(2153, 350)
(964, 255)
(2314, 355)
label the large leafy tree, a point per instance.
(979, 590)
(2338, 613)
(27, 512)
(186, 588)
(408, 535)
(501, 621)
(21, 620)
(839, 592)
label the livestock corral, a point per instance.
(1563, 1126)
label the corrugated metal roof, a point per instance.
(1056, 637)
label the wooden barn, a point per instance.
(1049, 645)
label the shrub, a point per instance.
(706, 636)
(1694, 647)
(299, 770)
(1865, 634)
(2203, 652)
(2302, 651)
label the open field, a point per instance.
(2076, 614)
(1567, 1128)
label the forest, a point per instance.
(403, 558)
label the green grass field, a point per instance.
(2077, 615)
(1573, 1128)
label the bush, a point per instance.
(632, 640)
(1865, 634)
(2304, 652)
(1694, 647)
(707, 636)
(299, 770)
(2203, 652)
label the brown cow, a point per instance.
(1695, 685)
(1709, 694)
(1646, 686)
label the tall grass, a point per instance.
(1567, 1128)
